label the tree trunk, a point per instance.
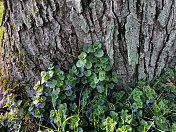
(139, 37)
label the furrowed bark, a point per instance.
(139, 37)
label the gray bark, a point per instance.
(139, 37)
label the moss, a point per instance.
(4, 81)
(1, 12)
(21, 62)
(17, 81)
(9, 84)
(18, 69)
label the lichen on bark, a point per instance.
(132, 39)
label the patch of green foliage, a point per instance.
(1, 12)
(86, 99)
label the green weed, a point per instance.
(86, 98)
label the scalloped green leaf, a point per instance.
(69, 92)
(62, 96)
(52, 83)
(74, 107)
(111, 106)
(111, 85)
(74, 69)
(114, 77)
(61, 75)
(84, 80)
(43, 74)
(60, 83)
(100, 90)
(87, 73)
(104, 59)
(102, 75)
(107, 68)
(54, 97)
(57, 91)
(98, 62)
(93, 84)
(79, 63)
(140, 104)
(88, 65)
(42, 105)
(86, 47)
(96, 80)
(82, 56)
(98, 44)
(91, 49)
(50, 74)
(93, 75)
(135, 106)
(120, 95)
(114, 115)
(99, 53)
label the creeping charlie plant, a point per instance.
(86, 98)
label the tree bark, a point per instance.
(139, 37)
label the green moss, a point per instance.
(17, 81)
(18, 69)
(8, 84)
(4, 81)
(21, 62)
(1, 12)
